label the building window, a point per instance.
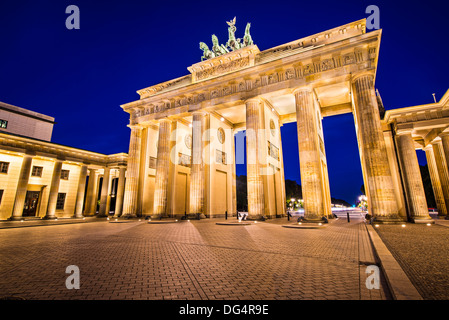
(4, 167)
(184, 160)
(60, 202)
(220, 156)
(36, 171)
(273, 151)
(65, 174)
(153, 162)
(3, 124)
(1, 196)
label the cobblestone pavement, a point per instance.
(188, 260)
(423, 253)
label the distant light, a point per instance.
(320, 224)
(272, 109)
(376, 225)
(107, 218)
(403, 226)
(21, 220)
(149, 219)
(255, 221)
(188, 220)
(190, 125)
(139, 219)
(428, 224)
(176, 220)
(84, 218)
(221, 119)
(56, 219)
(116, 219)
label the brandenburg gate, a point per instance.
(182, 153)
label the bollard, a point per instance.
(226, 215)
(347, 213)
(288, 215)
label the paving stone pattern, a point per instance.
(188, 260)
(423, 254)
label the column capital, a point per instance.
(200, 113)
(254, 100)
(401, 129)
(166, 120)
(307, 89)
(403, 132)
(135, 126)
(444, 134)
(357, 76)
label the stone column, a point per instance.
(90, 192)
(256, 202)
(80, 193)
(104, 194)
(436, 184)
(120, 192)
(132, 174)
(197, 176)
(414, 190)
(21, 191)
(442, 170)
(309, 155)
(234, 177)
(162, 170)
(378, 179)
(54, 188)
(282, 175)
(445, 144)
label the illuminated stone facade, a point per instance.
(329, 73)
(41, 179)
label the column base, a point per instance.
(15, 218)
(49, 218)
(387, 220)
(313, 220)
(256, 218)
(126, 216)
(422, 220)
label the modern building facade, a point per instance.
(42, 179)
(182, 151)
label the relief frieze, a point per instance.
(237, 85)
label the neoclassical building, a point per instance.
(182, 151)
(42, 179)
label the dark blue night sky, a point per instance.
(81, 77)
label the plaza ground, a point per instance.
(188, 260)
(423, 253)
